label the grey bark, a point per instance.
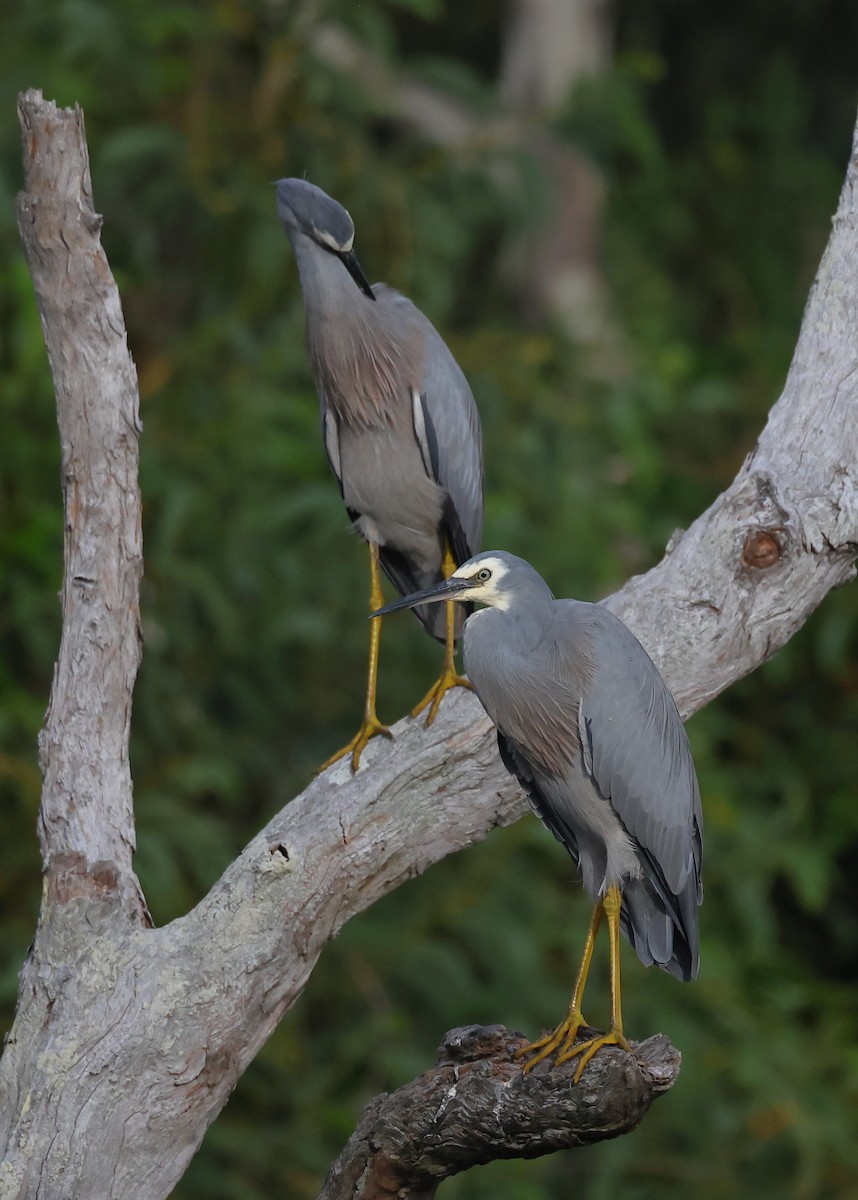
(87, 805)
(128, 1040)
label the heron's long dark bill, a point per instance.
(449, 589)
(352, 265)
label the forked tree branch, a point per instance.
(128, 1040)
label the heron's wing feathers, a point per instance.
(331, 438)
(518, 764)
(447, 427)
(636, 750)
(639, 755)
(593, 736)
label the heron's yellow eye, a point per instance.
(484, 575)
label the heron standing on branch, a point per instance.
(400, 427)
(587, 724)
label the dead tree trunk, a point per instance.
(554, 267)
(127, 1040)
(549, 46)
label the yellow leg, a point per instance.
(370, 726)
(614, 1037)
(563, 1037)
(448, 678)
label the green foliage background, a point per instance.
(722, 132)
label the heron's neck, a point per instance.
(523, 628)
(325, 282)
(363, 366)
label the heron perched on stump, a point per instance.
(400, 427)
(587, 724)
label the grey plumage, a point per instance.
(399, 422)
(587, 724)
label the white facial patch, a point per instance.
(323, 236)
(487, 592)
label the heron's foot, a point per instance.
(614, 1037)
(449, 679)
(371, 727)
(560, 1042)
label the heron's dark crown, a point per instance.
(305, 208)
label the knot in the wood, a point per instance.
(762, 548)
(471, 1042)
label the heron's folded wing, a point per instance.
(517, 763)
(331, 438)
(638, 753)
(447, 427)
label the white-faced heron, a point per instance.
(587, 724)
(400, 428)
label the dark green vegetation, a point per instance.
(722, 132)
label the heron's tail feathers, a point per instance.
(666, 936)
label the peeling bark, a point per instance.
(477, 1105)
(128, 1040)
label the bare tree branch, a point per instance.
(749, 572)
(548, 45)
(476, 1105)
(127, 1040)
(86, 813)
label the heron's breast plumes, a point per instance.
(368, 360)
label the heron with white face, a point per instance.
(400, 427)
(587, 724)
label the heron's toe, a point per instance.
(558, 1042)
(371, 727)
(614, 1037)
(437, 692)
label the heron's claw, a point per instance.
(449, 679)
(614, 1037)
(559, 1042)
(370, 727)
